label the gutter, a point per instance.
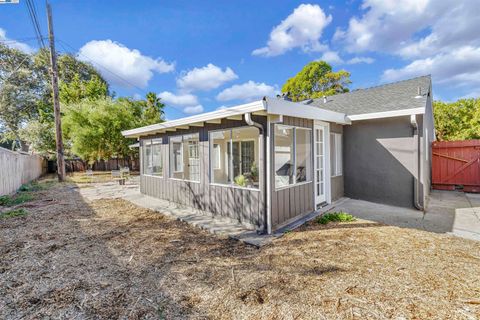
(416, 202)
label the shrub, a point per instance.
(335, 217)
(13, 213)
(17, 199)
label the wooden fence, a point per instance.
(18, 168)
(77, 165)
(456, 164)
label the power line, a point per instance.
(34, 19)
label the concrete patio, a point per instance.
(449, 212)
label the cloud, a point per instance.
(460, 67)
(247, 91)
(205, 78)
(13, 43)
(178, 99)
(193, 109)
(414, 29)
(333, 58)
(301, 29)
(123, 63)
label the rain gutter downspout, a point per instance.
(416, 203)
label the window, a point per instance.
(185, 157)
(234, 157)
(152, 157)
(293, 155)
(336, 154)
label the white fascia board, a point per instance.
(387, 114)
(218, 114)
(299, 110)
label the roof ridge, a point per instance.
(380, 85)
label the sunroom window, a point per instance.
(234, 157)
(184, 157)
(152, 157)
(292, 155)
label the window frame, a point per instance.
(337, 155)
(151, 142)
(294, 138)
(229, 162)
(182, 154)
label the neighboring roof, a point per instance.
(265, 106)
(385, 98)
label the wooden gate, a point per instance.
(456, 164)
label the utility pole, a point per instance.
(56, 102)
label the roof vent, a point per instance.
(419, 93)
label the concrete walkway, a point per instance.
(450, 212)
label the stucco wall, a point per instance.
(428, 136)
(379, 161)
(337, 182)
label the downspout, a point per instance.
(416, 202)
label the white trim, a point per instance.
(184, 180)
(195, 120)
(292, 185)
(233, 186)
(387, 114)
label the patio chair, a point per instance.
(89, 174)
(118, 176)
(125, 172)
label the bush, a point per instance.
(13, 213)
(335, 217)
(17, 199)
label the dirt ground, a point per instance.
(109, 259)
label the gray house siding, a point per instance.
(245, 205)
(287, 203)
(380, 161)
(337, 183)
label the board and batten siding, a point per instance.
(244, 205)
(290, 202)
(336, 183)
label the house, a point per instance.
(269, 162)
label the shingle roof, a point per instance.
(388, 97)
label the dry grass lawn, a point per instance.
(110, 259)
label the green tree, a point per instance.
(458, 120)
(20, 90)
(153, 109)
(316, 80)
(94, 128)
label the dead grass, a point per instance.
(98, 177)
(111, 259)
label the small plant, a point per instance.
(241, 181)
(14, 200)
(335, 217)
(13, 213)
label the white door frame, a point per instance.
(326, 162)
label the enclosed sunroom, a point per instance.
(264, 163)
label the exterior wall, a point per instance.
(428, 134)
(380, 161)
(287, 203)
(337, 183)
(245, 205)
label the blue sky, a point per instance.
(202, 55)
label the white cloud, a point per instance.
(13, 43)
(459, 67)
(301, 29)
(178, 99)
(193, 109)
(413, 29)
(247, 91)
(127, 63)
(333, 58)
(356, 60)
(205, 78)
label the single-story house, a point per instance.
(269, 162)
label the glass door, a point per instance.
(319, 160)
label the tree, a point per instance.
(316, 80)
(20, 89)
(458, 120)
(153, 110)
